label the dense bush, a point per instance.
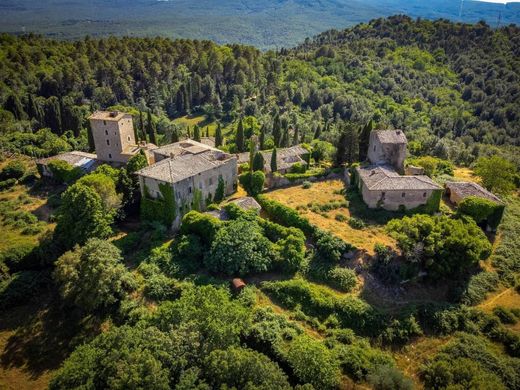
(240, 248)
(385, 377)
(253, 182)
(203, 225)
(443, 246)
(158, 286)
(63, 172)
(329, 247)
(284, 215)
(14, 169)
(21, 287)
(479, 286)
(481, 210)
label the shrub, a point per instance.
(479, 286)
(401, 331)
(340, 218)
(356, 223)
(63, 172)
(343, 278)
(5, 184)
(329, 247)
(158, 286)
(359, 359)
(14, 169)
(384, 377)
(481, 210)
(505, 315)
(298, 168)
(21, 287)
(203, 225)
(306, 184)
(253, 183)
(187, 251)
(239, 248)
(18, 257)
(285, 215)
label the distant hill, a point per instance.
(263, 23)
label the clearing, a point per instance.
(324, 192)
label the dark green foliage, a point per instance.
(220, 191)
(497, 174)
(258, 162)
(479, 286)
(163, 209)
(82, 216)
(356, 223)
(218, 136)
(284, 215)
(187, 255)
(274, 161)
(319, 302)
(253, 182)
(63, 172)
(401, 331)
(432, 166)
(239, 138)
(443, 246)
(196, 133)
(150, 128)
(482, 210)
(158, 286)
(93, 276)
(329, 247)
(243, 368)
(239, 248)
(14, 169)
(505, 315)
(389, 378)
(202, 225)
(21, 287)
(313, 363)
(136, 162)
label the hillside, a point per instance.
(265, 24)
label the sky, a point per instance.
(498, 1)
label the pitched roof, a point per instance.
(285, 157)
(391, 136)
(86, 161)
(247, 203)
(467, 188)
(385, 178)
(187, 146)
(173, 170)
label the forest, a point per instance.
(98, 293)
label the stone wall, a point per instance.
(392, 200)
(111, 137)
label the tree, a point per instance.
(145, 360)
(241, 368)
(150, 126)
(239, 139)
(14, 105)
(295, 136)
(321, 150)
(497, 174)
(313, 363)
(92, 276)
(274, 161)
(317, 133)
(261, 139)
(239, 248)
(53, 115)
(253, 182)
(220, 191)
(258, 162)
(218, 136)
(196, 133)
(137, 162)
(105, 187)
(90, 138)
(277, 130)
(141, 126)
(284, 142)
(441, 245)
(348, 146)
(82, 216)
(364, 138)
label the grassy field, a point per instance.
(326, 192)
(203, 122)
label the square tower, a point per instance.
(388, 147)
(113, 134)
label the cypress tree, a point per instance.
(207, 131)
(14, 105)
(295, 136)
(53, 114)
(196, 133)
(364, 139)
(239, 140)
(175, 135)
(258, 162)
(151, 128)
(218, 136)
(261, 139)
(136, 134)
(188, 131)
(90, 137)
(284, 142)
(141, 127)
(274, 164)
(317, 132)
(277, 128)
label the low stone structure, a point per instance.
(88, 162)
(380, 181)
(181, 148)
(457, 191)
(247, 203)
(285, 158)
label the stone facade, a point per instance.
(113, 134)
(193, 177)
(380, 181)
(388, 147)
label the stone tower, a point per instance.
(113, 134)
(388, 147)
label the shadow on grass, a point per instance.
(43, 335)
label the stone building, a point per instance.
(285, 158)
(114, 139)
(87, 162)
(193, 171)
(457, 191)
(380, 181)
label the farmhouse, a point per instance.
(285, 158)
(457, 191)
(380, 181)
(192, 172)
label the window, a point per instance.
(374, 148)
(105, 123)
(128, 138)
(210, 181)
(108, 142)
(403, 195)
(200, 186)
(189, 190)
(106, 132)
(110, 155)
(424, 195)
(383, 194)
